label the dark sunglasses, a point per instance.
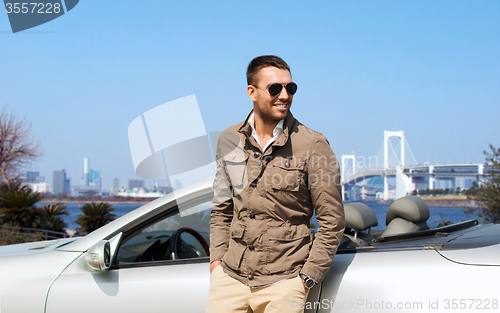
(275, 89)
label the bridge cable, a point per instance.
(394, 152)
(411, 152)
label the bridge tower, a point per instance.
(343, 173)
(387, 136)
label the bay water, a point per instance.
(437, 214)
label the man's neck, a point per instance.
(264, 128)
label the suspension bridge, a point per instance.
(400, 174)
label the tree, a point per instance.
(51, 217)
(488, 191)
(18, 207)
(94, 215)
(17, 146)
(8, 186)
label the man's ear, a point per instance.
(251, 90)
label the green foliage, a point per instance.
(18, 207)
(51, 217)
(95, 215)
(488, 191)
(10, 185)
(9, 237)
(437, 192)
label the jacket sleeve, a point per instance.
(325, 189)
(222, 210)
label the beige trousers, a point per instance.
(226, 294)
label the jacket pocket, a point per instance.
(236, 248)
(236, 170)
(285, 178)
(288, 247)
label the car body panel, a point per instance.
(25, 279)
(33, 247)
(483, 256)
(479, 246)
(415, 279)
(170, 287)
(422, 268)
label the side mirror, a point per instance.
(98, 258)
(101, 255)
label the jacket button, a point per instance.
(256, 154)
(287, 164)
(252, 216)
(250, 277)
(251, 247)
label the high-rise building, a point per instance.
(116, 184)
(95, 178)
(135, 183)
(67, 185)
(86, 178)
(32, 177)
(92, 180)
(60, 184)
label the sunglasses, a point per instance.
(275, 89)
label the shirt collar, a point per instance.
(277, 130)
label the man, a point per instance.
(272, 173)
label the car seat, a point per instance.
(407, 214)
(358, 217)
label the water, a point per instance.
(74, 211)
(453, 215)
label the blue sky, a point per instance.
(430, 68)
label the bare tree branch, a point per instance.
(17, 146)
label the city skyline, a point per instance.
(361, 163)
(428, 68)
(61, 184)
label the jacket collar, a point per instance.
(246, 129)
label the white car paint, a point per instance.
(53, 276)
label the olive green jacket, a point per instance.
(263, 203)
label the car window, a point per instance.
(190, 228)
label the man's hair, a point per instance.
(264, 61)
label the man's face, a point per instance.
(271, 109)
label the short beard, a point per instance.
(269, 119)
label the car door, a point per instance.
(405, 279)
(145, 277)
(151, 288)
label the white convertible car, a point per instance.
(155, 259)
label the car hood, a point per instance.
(34, 247)
(479, 245)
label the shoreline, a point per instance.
(52, 200)
(452, 201)
(459, 202)
(439, 201)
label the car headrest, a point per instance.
(410, 208)
(359, 216)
